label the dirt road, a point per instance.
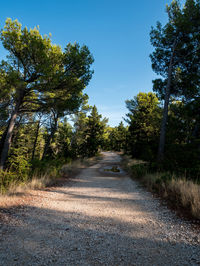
(101, 218)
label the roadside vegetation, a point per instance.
(181, 193)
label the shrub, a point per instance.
(20, 166)
(6, 179)
(139, 170)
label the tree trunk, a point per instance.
(35, 141)
(8, 138)
(53, 130)
(165, 111)
(3, 137)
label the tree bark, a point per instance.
(161, 147)
(8, 138)
(3, 137)
(50, 137)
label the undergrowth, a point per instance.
(43, 174)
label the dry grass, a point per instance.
(150, 180)
(187, 194)
(15, 192)
(72, 168)
(183, 194)
(37, 182)
(127, 162)
(20, 194)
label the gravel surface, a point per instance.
(99, 218)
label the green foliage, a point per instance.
(78, 137)
(62, 142)
(164, 178)
(177, 40)
(7, 179)
(139, 170)
(176, 58)
(40, 86)
(19, 165)
(182, 139)
(93, 133)
(181, 193)
(89, 135)
(144, 120)
(39, 77)
(52, 167)
(117, 138)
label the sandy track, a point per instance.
(102, 218)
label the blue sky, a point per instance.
(117, 34)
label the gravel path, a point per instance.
(102, 218)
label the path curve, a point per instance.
(102, 218)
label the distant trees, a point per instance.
(93, 133)
(78, 137)
(143, 119)
(117, 138)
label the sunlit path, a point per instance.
(103, 218)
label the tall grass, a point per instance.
(45, 173)
(187, 194)
(41, 175)
(183, 194)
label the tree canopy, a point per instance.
(39, 77)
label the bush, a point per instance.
(48, 165)
(183, 160)
(36, 174)
(20, 166)
(139, 170)
(7, 179)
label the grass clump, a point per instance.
(187, 194)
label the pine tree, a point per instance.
(94, 132)
(176, 57)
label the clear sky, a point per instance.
(117, 34)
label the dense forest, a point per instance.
(45, 119)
